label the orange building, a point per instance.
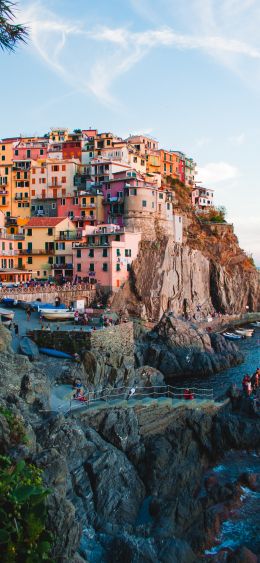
(169, 164)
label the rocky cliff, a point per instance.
(126, 482)
(209, 270)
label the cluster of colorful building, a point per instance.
(75, 206)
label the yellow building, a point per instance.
(48, 246)
(6, 155)
(92, 208)
(153, 163)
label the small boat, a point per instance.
(7, 323)
(256, 324)
(232, 336)
(58, 315)
(6, 314)
(56, 353)
(29, 348)
(8, 302)
(245, 332)
(51, 307)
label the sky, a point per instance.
(186, 73)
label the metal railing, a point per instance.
(108, 395)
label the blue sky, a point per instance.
(187, 73)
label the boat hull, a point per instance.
(7, 314)
(56, 353)
(58, 316)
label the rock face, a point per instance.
(127, 482)
(167, 276)
(179, 348)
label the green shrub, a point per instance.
(23, 535)
(16, 427)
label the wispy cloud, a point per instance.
(237, 140)
(215, 172)
(120, 48)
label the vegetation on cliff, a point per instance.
(23, 533)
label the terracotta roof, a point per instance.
(44, 221)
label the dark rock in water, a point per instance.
(250, 480)
(180, 348)
(65, 528)
(118, 488)
(177, 551)
(244, 555)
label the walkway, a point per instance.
(62, 398)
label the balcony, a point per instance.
(91, 205)
(19, 197)
(3, 191)
(9, 252)
(37, 252)
(91, 245)
(69, 235)
(62, 266)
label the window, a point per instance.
(44, 273)
(164, 167)
(75, 201)
(41, 152)
(104, 254)
(91, 253)
(78, 267)
(6, 171)
(144, 203)
(63, 180)
(53, 205)
(128, 267)
(118, 253)
(28, 153)
(133, 191)
(33, 181)
(128, 252)
(142, 162)
(164, 156)
(63, 201)
(170, 168)
(29, 232)
(168, 206)
(91, 267)
(55, 168)
(63, 167)
(135, 159)
(3, 157)
(50, 260)
(117, 238)
(105, 267)
(50, 231)
(78, 253)
(16, 152)
(118, 267)
(3, 147)
(29, 260)
(92, 200)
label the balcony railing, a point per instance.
(35, 251)
(9, 252)
(3, 192)
(62, 266)
(69, 236)
(91, 244)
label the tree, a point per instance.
(10, 32)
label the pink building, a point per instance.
(30, 150)
(202, 198)
(105, 256)
(52, 178)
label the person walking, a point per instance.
(28, 314)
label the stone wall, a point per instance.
(113, 340)
(47, 295)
